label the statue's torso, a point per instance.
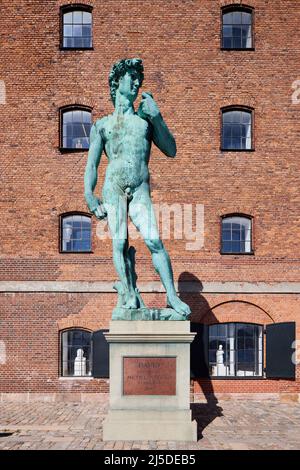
(127, 143)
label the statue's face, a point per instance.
(129, 85)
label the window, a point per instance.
(76, 27)
(235, 350)
(76, 124)
(237, 28)
(236, 235)
(236, 129)
(76, 355)
(75, 233)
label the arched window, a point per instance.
(237, 129)
(76, 23)
(237, 28)
(76, 123)
(236, 235)
(75, 233)
(235, 350)
(76, 355)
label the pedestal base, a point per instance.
(149, 381)
(150, 425)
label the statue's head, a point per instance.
(128, 74)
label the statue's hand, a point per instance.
(148, 108)
(96, 207)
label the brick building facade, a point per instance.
(45, 291)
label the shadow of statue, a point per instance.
(190, 288)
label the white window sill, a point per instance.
(76, 378)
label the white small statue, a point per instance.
(80, 363)
(220, 355)
(221, 368)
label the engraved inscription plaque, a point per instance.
(149, 375)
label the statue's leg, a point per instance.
(116, 207)
(142, 214)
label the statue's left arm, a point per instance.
(162, 137)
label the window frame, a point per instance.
(60, 354)
(237, 7)
(241, 377)
(64, 109)
(243, 108)
(245, 216)
(67, 9)
(60, 233)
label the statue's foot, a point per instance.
(179, 306)
(131, 301)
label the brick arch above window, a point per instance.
(81, 320)
(229, 5)
(237, 311)
(73, 4)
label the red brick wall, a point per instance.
(30, 326)
(191, 78)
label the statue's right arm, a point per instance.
(91, 174)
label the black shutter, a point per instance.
(199, 351)
(100, 355)
(280, 337)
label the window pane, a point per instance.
(68, 18)
(67, 30)
(227, 144)
(227, 31)
(235, 143)
(236, 31)
(246, 117)
(227, 18)
(246, 31)
(237, 17)
(77, 30)
(235, 116)
(86, 31)
(226, 247)
(86, 116)
(86, 42)
(237, 43)
(227, 43)
(235, 247)
(236, 130)
(77, 17)
(227, 131)
(235, 235)
(86, 17)
(68, 42)
(246, 17)
(226, 235)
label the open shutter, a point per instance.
(100, 355)
(199, 351)
(280, 348)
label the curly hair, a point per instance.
(119, 69)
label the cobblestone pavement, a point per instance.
(228, 425)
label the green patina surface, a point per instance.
(126, 137)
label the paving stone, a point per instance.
(232, 424)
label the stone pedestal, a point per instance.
(149, 381)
